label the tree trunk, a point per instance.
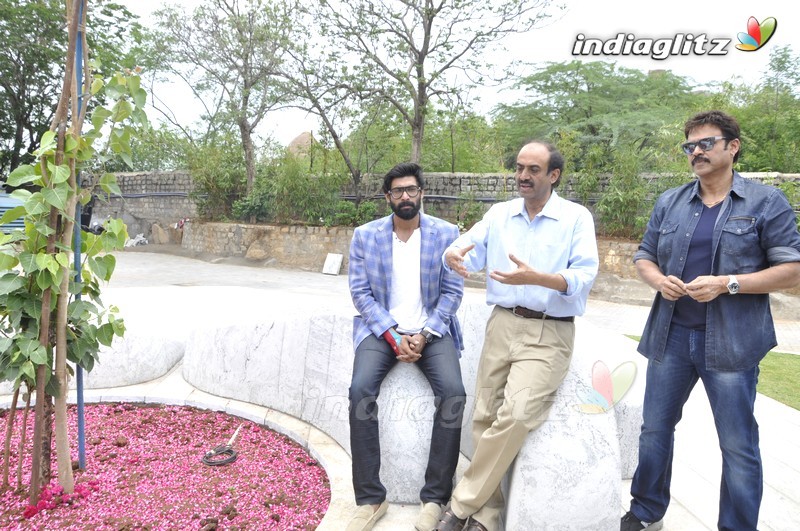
(23, 437)
(64, 459)
(249, 154)
(7, 444)
(46, 472)
(38, 422)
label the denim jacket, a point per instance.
(755, 229)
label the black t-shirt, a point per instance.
(689, 312)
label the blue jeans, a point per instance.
(732, 396)
(439, 363)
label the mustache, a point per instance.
(406, 204)
(699, 158)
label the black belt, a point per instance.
(521, 311)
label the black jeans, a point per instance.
(439, 363)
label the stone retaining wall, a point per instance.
(149, 198)
(305, 247)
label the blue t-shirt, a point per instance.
(689, 312)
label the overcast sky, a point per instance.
(717, 20)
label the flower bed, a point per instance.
(144, 471)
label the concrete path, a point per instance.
(164, 290)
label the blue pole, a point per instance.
(77, 246)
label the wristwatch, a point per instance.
(733, 285)
(428, 335)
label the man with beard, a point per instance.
(407, 303)
(713, 250)
(540, 255)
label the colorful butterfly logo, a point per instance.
(757, 34)
(608, 388)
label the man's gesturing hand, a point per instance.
(455, 260)
(521, 275)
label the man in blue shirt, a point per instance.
(540, 254)
(714, 249)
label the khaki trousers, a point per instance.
(522, 363)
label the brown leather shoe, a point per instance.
(449, 521)
(475, 525)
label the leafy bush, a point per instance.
(624, 207)
(468, 210)
(219, 177)
(352, 215)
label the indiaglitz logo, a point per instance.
(608, 387)
(659, 49)
(757, 34)
(679, 44)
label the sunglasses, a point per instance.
(705, 144)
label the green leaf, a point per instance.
(36, 205)
(71, 144)
(7, 262)
(139, 97)
(42, 261)
(140, 117)
(105, 334)
(134, 82)
(97, 85)
(22, 175)
(98, 267)
(28, 370)
(63, 260)
(48, 143)
(127, 159)
(121, 110)
(21, 195)
(34, 351)
(110, 263)
(79, 308)
(12, 214)
(120, 140)
(118, 326)
(108, 182)
(29, 262)
(58, 174)
(5, 342)
(10, 282)
(56, 197)
(44, 280)
(99, 117)
(43, 228)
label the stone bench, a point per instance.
(301, 365)
(566, 476)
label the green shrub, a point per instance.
(351, 215)
(469, 210)
(625, 205)
(219, 177)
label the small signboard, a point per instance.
(333, 264)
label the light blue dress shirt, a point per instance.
(559, 239)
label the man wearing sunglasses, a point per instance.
(407, 303)
(713, 249)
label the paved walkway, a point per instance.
(162, 288)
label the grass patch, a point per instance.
(779, 378)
